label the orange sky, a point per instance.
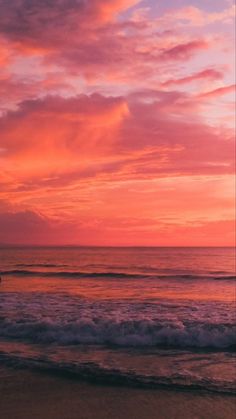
(117, 122)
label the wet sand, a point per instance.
(27, 394)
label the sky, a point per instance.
(117, 122)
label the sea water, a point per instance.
(132, 316)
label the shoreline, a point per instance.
(26, 394)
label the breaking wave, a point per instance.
(125, 333)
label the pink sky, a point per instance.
(117, 122)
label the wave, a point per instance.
(105, 274)
(94, 373)
(77, 274)
(122, 333)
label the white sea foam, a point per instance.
(56, 319)
(128, 333)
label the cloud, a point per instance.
(86, 39)
(22, 20)
(29, 227)
(185, 50)
(87, 136)
(194, 16)
(208, 74)
(220, 91)
(105, 165)
(4, 52)
(21, 226)
(101, 134)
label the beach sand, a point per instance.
(28, 394)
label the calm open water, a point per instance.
(134, 316)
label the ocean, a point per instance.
(143, 317)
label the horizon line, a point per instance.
(7, 245)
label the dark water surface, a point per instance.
(138, 316)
